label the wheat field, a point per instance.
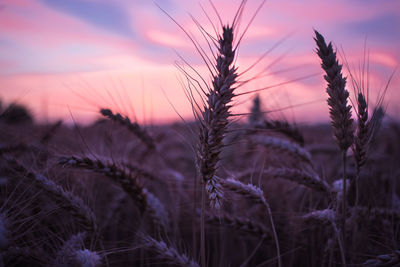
(213, 191)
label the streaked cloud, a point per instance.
(46, 44)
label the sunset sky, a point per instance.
(66, 58)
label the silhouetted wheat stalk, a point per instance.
(213, 125)
(134, 127)
(340, 112)
(365, 132)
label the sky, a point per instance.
(67, 59)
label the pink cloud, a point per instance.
(58, 42)
(165, 39)
(31, 24)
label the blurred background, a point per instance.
(67, 59)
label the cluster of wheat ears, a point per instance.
(208, 193)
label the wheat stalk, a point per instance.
(284, 145)
(240, 223)
(134, 127)
(129, 183)
(392, 259)
(256, 119)
(168, 252)
(213, 125)
(361, 138)
(113, 209)
(365, 135)
(327, 216)
(66, 199)
(256, 194)
(157, 211)
(248, 190)
(68, 249)
(312, 181)
(340, 112)
(283, 127)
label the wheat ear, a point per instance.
(129, 183)
(309, 180)
(256, 120)
(213, 126)
(384, 260)
(286, 146)
(256, 194)
(66, 252)
(134, 127)
(327, 216)
(168, 252)
(361, 137)
(340, 112)
(365, 134)
(66, 199)
(283, 127)
(87, 258)
(240, 223)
